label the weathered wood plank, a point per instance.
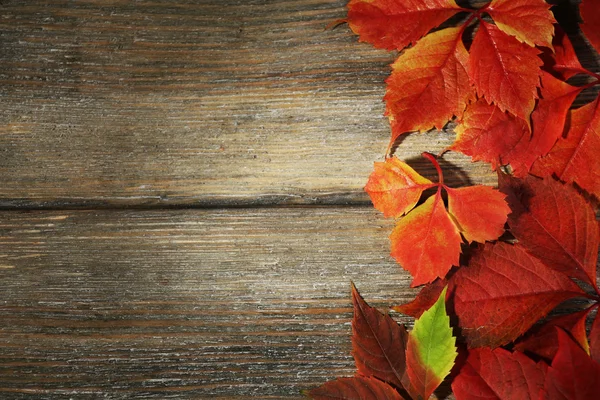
(189, 304)
(195, 102)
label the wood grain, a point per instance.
(186, 303)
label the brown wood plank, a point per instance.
(186, 303)
(193, 102)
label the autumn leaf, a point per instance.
(499, 375)
(355, 388)
(395, 188)
(543, 340)
(554, 223)
(563, 61)
(430, 351)
(503, 292)
(504, 70)
(429, 83)
(574, 158)
(378, 343)
(393, 24)
(573, 375)
(425, 299)
(594, 339)
(530, 21)
(590, 13)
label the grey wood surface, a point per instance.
(181, 186)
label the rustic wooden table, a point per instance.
(181, 195)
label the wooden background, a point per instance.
(181, 204)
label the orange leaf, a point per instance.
(530, 21)
(564, 61)
(395, 188)
(424, 300)
(426, 242)
(590, 13)
(574, 158)
(503, 292)
(499, 375)
(479, 211)
(554, 223)
(355, 388)
(543, 340)
(392, 24)
(378, 343)
(488, 134)
(429, 83)
(504, 70)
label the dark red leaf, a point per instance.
(424, 300)
(356, 388)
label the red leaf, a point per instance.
(426, 242)
(378, 343)
(573, 375)
(574, 158)
(530, 21)
(479, 211)
(554, 223)
(429, 83)
(395, 188)
(543, 340)
(424, 300)
(392, 24)
(503, 292)
(590, 13)
(595, 339)
(488, 134)
(498, 374)
(355, 388)
(504, 70)
(564, 61)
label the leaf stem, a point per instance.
(433, 160)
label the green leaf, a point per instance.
(430, 352)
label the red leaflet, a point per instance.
(590, 13)
(530, 21)
(429, 83)
(518, 291)
(504, 70)
(573, 374)
(427, 240)
(574, 158)
(554, 223)
(479, 211)
(355, 388)
(498, 374)
(564, 61)
(395, 188)
(378, 343)
(392, 24)
(595, 339)
(543, 340)
(424, 300)
(488, 134)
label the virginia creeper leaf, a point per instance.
(503, 292)
(573, 375)
(530, 21)
(554, 223)
(395, 188)
(430, 351)
(574, 158)
(429, 83)
(590, 13)
(426, 242)
(504, 70)
(595, 339)
(488, 134)
(498, 375)
(543, 340)
(479, 211)
(425, 299)
(378, 343)
(564, 61)
(355, 388)
(393, 24)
